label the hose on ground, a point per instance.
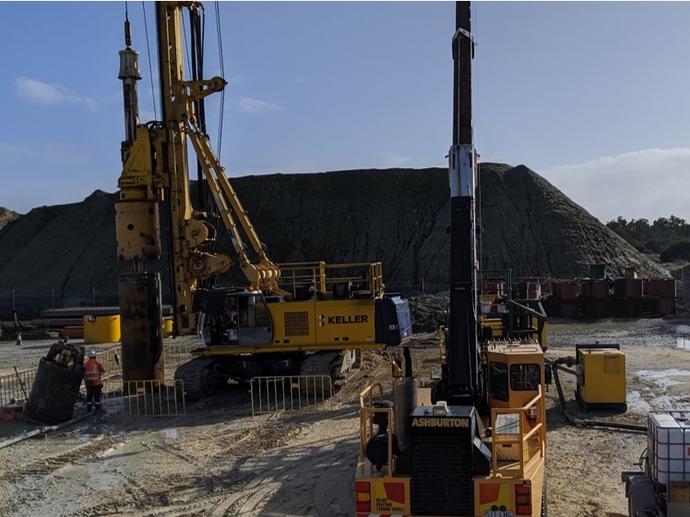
(586, 422)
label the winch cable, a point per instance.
(221, 59)
(586, 422)
(148, 55)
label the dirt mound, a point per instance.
(398, 216)
(428, 312)
(536, 228)
(6, 216)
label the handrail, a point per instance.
(366, 425)
(367, 391)
(521, 437)
(322, 275)
(534, 430)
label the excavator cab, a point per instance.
(237, 317)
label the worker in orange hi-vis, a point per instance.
(92, 378)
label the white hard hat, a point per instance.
(92, 353)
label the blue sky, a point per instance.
(593, 96)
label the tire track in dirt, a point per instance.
(50, 464)
(17, 494)
(205, 490)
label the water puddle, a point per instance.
(635, 401)
(665, 378)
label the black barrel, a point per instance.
(53, 393)
(141, 323)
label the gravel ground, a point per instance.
(218, 460)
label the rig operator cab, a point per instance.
(472, 444)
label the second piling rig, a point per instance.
(474, 443)
(289, 318)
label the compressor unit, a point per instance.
(600, 370)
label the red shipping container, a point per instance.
(667, 306)
(627, 288)
(661, 288)
(570, 290)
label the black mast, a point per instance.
(463, 377)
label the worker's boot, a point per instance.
(88, 408)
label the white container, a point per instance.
(668, 446)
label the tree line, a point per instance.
(666, 237)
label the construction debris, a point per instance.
(56, 385)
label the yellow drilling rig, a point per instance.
(307, 318)
(473, 443)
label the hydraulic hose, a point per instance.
(586, 422)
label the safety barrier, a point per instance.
(176, 353)
(16, 386)
(110, 359)
(289, 392)
(144, 398)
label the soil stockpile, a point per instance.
(397, 216)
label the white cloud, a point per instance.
(392, 160)
(251, 105)
(648, 183)
(46, 94)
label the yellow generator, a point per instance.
(600, 370)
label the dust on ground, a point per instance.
(217, 460)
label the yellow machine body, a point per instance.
(101, 329)
(330, 318)
(495, 323)
(601, 376)
(310, 326)
(515, 376)
(517, 420)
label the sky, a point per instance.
(594, 96)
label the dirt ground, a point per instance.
(217, 460)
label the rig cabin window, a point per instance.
(498, 381)
(525, 377)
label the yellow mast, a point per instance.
(158, 162)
